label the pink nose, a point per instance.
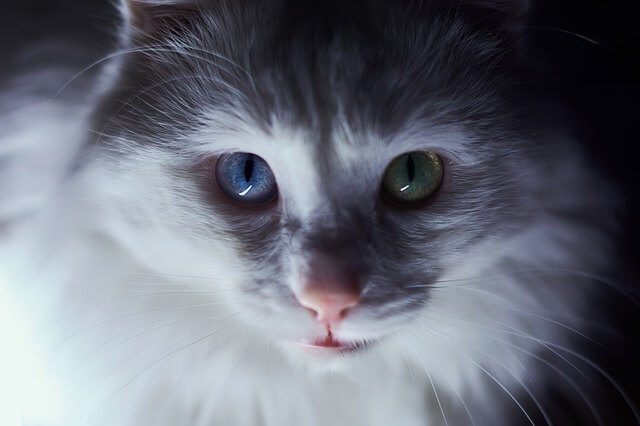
(328, 307)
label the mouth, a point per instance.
(330, 344)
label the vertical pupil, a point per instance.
(411, 167)
(248, 168)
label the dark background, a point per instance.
(598, 81)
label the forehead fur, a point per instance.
(373, 64)
(342, 86)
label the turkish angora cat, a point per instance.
(302, 213)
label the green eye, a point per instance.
(412, 177)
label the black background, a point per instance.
(599, 81)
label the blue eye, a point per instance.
(246, 178)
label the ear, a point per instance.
(147, 16)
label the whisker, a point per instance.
(161, 274)
(470, 281)
(455, 391)
(607, 376)
(513, 307)
(166, 356)
(108, 320)
(406, 360)
(128, 102)
(150, 296)
(145, 330)
(207, 356)
(163, 48)
(560, 30)
(526, 271)
(542, 342)
(504, 388)
(579, 391)
(515, 332)
(610, 379)
(435, 393)
(522, 384)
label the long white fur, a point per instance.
(125, 321)
(123, 366)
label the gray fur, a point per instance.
(328, 93)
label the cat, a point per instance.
(301, 213)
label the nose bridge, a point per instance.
(333, 273)
(334, 249)
(334, 244)
(332, 282)
(340, 227)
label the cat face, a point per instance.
(313, 114)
